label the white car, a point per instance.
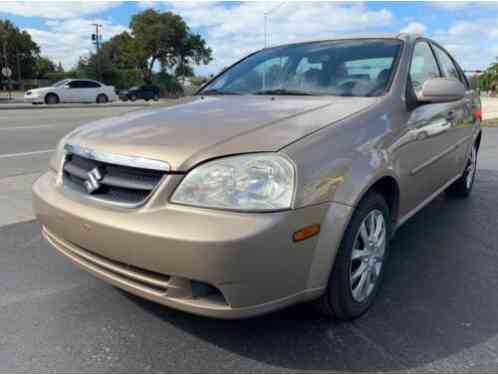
(71, 91)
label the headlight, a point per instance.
(254, 182)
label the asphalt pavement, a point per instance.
(437, 310)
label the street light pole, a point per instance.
(266, 16)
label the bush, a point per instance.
(169, 85)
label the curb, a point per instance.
(10, 107)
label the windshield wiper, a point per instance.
(283, 92)
(218, 92)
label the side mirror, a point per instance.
(441, 90)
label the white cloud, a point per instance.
(414, 27)
(451, 5)
(67, 40)
(55, 9)
(471, 52)
(235, 30)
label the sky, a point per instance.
(469, 30)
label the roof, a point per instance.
(400, 36)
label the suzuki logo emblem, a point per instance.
(92, 183)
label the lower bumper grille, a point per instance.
(151, 283)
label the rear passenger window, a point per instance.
(89, 84)
(424, 65)
(447, 66)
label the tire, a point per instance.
(463, 186)
(51, 99)
(156, 97)
(133, 98)
(102, 98)
(344, 298)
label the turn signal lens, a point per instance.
(305, 233)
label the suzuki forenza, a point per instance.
(282, 182)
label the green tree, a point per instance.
(165, 38)
(162, 39)
(43, 66)
(22, 52)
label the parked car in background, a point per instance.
(145, 92)
(71, 91)
(284, 181)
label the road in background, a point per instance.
(27, 138)
(436, 310)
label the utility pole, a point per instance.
(96, 38)
(21, 86)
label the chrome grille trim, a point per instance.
(123, 160)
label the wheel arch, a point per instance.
(53, 94)
(478, 140)
(102, 94)
(336, 221)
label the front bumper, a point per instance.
(33, 98)
(160, 253)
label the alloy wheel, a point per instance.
(368, 255)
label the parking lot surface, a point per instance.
(437, 309)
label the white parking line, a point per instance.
(27, 127)
(5, 156)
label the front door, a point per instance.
(71, 92)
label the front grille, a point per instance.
(117, 184)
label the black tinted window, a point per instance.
(89, 84)
(74, 84)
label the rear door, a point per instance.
(89, 91)
(460, 132)
(144, 92)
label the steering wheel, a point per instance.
(347, 86)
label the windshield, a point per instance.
(61, 83)
(342, 68)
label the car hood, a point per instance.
(41, 89)
(209, 127)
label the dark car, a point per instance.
(146, 92)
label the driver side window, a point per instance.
(424, 66)
(74, 84)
